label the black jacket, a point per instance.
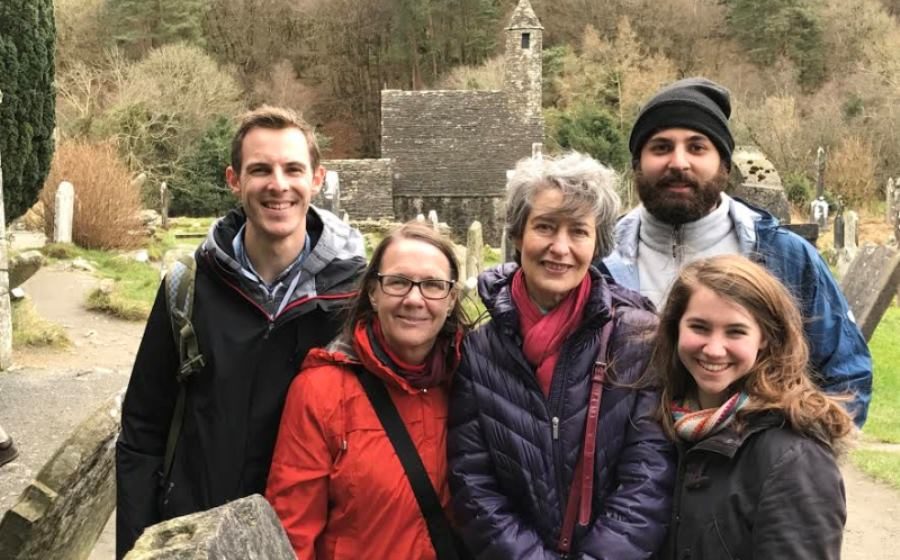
(513, 452)
(233, 405)
(765, 493)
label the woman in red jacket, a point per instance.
(336, 480)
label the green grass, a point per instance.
(883, 423)
(30, 329)
(883, 466)
(135, 284)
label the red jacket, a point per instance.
(336, 482)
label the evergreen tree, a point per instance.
(27, 113)
(142, 25)
(790, 28)
(592, 130)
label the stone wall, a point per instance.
(60, 515)
(755, 180)
(451, 151)
(366, 187)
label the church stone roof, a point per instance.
(523, 17)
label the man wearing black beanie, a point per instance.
(681, 149)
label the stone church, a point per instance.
(449, 151)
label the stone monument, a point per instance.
(65, 213)
(754, 179)
(5, 309)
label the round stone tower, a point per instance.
(523, 69)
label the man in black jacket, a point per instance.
(269, 280)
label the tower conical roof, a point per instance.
(523, 17)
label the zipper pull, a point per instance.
(555, 422)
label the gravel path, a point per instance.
(48, 392)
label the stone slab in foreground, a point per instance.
(245, 529)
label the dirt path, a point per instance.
(48, 392)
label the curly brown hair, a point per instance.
(781, 379)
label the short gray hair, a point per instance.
(586, 185)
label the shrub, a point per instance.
(850, 171)
(798, 189)
(591, 130)
(199, 189)
(166, 103)
(107, 203)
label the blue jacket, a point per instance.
(512, 452)
(838, 351)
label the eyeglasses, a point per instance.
(431, 288)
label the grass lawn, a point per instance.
(883, 466)
(884, 413)
(135, 285)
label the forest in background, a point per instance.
(162, 80)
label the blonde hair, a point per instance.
(781, 379)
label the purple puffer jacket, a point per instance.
(510, 468)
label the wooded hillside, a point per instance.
(164, 78)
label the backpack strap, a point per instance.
(442, 536)
(578, 506)
(180, 282)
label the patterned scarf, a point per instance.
(692, 424)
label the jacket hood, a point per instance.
(336, 258)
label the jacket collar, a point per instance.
(342, 352)
(332, 240)
(495, 289)
(728, 441)
(743, 216)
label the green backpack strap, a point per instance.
(180, 282)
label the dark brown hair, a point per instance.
(780, 380)
(361, 307)
(274, 118)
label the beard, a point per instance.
(680, 208)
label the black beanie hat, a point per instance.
(693, 103)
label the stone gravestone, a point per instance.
(23, 266)
(62, 513)
(420, 218)
(895, 213)
(332, 192)
(5, 307)
(839, 227)
(433, 219)
(820, 172)
(754, 179)
(164, 205)
(474, 251)
(818, 213)
(847, 254)
(851, 230)
(243, 529)
(888, 198)
(65, 211)
(870, 284)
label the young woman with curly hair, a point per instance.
(757, 440)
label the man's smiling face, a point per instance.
(680, 175)
(275, 183)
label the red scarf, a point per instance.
(542, 334)
(439, 364)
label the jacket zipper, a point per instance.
(677, 248)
